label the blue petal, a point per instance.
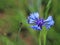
(30, 21)
(34, 15)
(49, 22)
(36, 27)
(49, 18)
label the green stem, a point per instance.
(18, 36)
(47, 8)
(39, 39)
(42, 37)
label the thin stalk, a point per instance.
(47, 8)
(40, 39)
(17, 37)
(18, 40)
(44, 37)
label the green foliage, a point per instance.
(15, 14)
(6, 41)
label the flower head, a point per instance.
(37, 23)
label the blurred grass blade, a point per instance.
(47, 8)
(6, 41)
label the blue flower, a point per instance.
(37, 23)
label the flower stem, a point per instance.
(18, 40)
(39, 39)
(42, 37)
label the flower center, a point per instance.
(40, 22)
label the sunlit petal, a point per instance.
(49, 18)
(30, 20)
(36, 15)
(49, 22)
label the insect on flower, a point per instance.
(37, 23)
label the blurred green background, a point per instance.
(14, 29)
